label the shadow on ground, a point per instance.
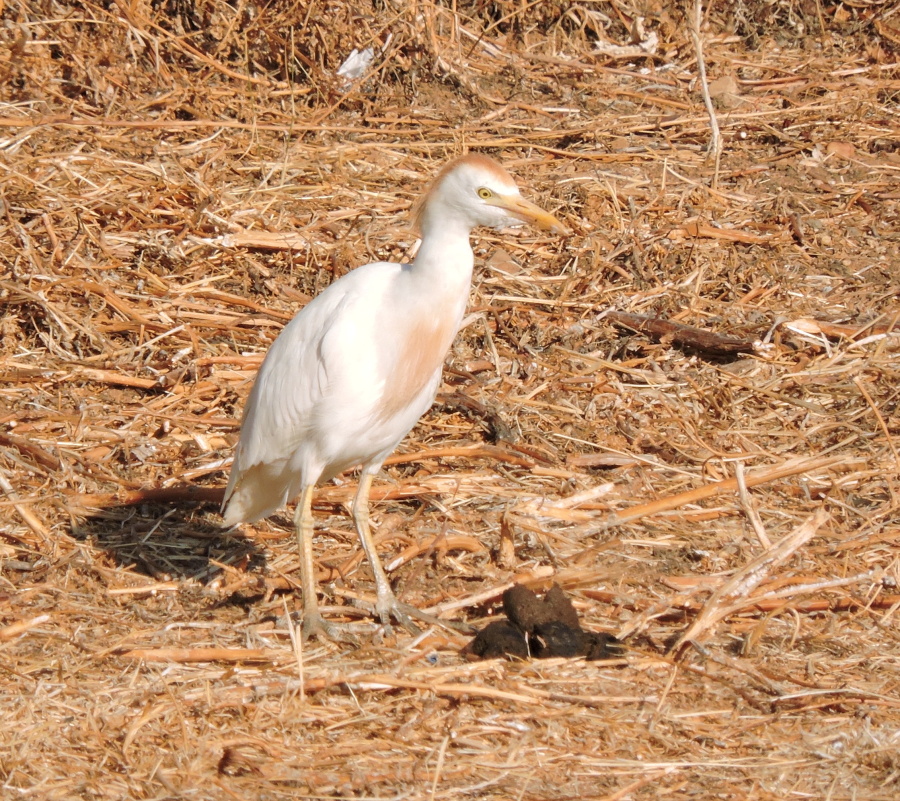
(170, 543)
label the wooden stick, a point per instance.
(31, 519)
(754, 479)
(722, 602)
(439, 543)
(881, 424)
(27, 448)
(702, 231)
(715, 139)
(20, 627)
(204, 654)
(466, 452)
(680, 334)
(749, 508)
(843, 330)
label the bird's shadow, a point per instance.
(170, 543)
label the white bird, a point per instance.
(351, 374)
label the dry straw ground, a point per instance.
(178, 178)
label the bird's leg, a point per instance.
(386, 603)
(313, 622)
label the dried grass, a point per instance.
(178, 178)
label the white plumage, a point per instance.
(351, 374)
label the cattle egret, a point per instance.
(351, 374)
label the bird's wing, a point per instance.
(317, 363)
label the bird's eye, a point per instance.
(484, 193)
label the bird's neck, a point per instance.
(445, 255)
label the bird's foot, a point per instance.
(432, 620)
(314, 625)
(390, 607)
(387, 606)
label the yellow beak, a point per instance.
(526, 211)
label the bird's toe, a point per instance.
(403, 618)
(387, 607)
(315, 626)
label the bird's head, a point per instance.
(476, 190)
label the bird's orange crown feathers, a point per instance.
(478, 160)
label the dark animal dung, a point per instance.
(500, 638)
(523, 608)
(555, 638)
(541, 628)
(560, 608)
